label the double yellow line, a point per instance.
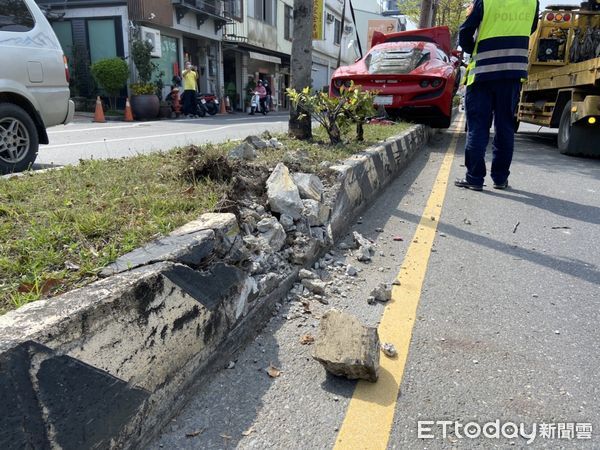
(370, 413)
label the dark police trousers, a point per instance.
(484, 101)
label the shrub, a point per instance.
(111, 75)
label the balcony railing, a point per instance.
(204, 9)
(213, 7)
(234, 32)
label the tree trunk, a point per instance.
(360, 131)
(301, 69)
(335, 135)
(426, 13)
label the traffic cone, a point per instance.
(99, 113)
(128, 113)
(222, 110)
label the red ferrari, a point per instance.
(414, 73)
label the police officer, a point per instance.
(496, 34)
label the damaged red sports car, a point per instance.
(414, 73)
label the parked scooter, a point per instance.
(209, 102)
(256, 105)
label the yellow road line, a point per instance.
(370, 413)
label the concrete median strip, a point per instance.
(108, 365)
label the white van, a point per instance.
(34, 83)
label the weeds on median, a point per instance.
(59, 228)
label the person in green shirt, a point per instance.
(190, 87)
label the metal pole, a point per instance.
(339, 60)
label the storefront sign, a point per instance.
(318, 11)
(384, 26)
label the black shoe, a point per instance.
(501, 185)
(465, 184)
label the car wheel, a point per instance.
(577, 139)
(19, 140)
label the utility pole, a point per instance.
(426, 10)
(301, 70)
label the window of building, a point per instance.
(64, 33)
(14, 16)
(266, 11)
(234, 9)
(169, 57)
(102, 39)
(288, 22)
(337, 32)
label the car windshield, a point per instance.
(396, 60)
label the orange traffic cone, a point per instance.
(222, 110)
(128, 113)
(99, 113)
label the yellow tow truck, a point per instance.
(563, 87)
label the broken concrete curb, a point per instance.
(108, 365)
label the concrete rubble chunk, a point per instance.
(365, 248)
(351, 271)
(283, 193)
(244, 151)
(224, 225)
(272, 231)
(309, 185)
(296, 157)
(361, 241)
(256, 142)
(307, 274)
(319, 233)
(389, 350)
(257, 243)
(347, 348)
(273, 142)
(314, 286)
(315, 212)
(382, 293)
(286, 222)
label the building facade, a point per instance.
(234, 43)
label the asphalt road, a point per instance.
(77, 141)
(506, 327)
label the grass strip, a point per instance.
(59, 228)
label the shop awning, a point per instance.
(263, 57)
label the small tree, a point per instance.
(141, 52)
(111, 75)
(334, 114)
(358, 107)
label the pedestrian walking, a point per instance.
(496, 34)
(190, 86)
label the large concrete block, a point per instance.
(282, 193)
(347, 348)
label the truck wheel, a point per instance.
(18, 139)
(577, 139)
